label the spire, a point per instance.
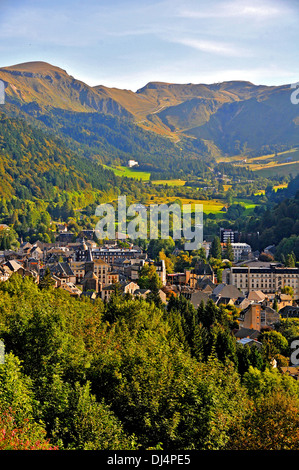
(89, 257)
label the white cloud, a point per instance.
(213, 47)
(237, 9)
(127, 44)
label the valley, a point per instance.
(149, 230)
(196, 125)
(115, 329)
(66, 147)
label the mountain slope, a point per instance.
(35, 165)
(49, 86)
(269, 119)
(90, 120)
(182, 107)
(195, 122)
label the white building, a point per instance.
(241, 251)
(227, 233)
(132, 163)
(269, 279)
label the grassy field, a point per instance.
(280, 164)
(213, 206)
(249, 205)
(293, 154)
(279, 170)
(129, 172)
(170, 182)
(279, 186)
(281, 157)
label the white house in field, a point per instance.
(132, 163)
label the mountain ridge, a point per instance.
(49, 85)
(227, 116)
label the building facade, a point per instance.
(227, 233)
(267, 279)
(241, 251)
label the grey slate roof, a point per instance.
(227, 291)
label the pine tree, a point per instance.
(47, 280)
(229, 253)
(200, 346)
(290, 261)
(216, 251)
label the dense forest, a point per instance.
(130, 374)
(34, 164)
(44, 180)
(110, 139)
(277, 222)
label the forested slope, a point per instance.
(130, 375)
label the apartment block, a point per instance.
(240, 250)
(268, 279)
(227, 233)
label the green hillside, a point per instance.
(253, 124)
(36, 165)
(169, 128)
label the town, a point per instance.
(149, 230)
(261, 291)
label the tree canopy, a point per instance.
(130, 374)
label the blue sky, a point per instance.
(128, 43)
